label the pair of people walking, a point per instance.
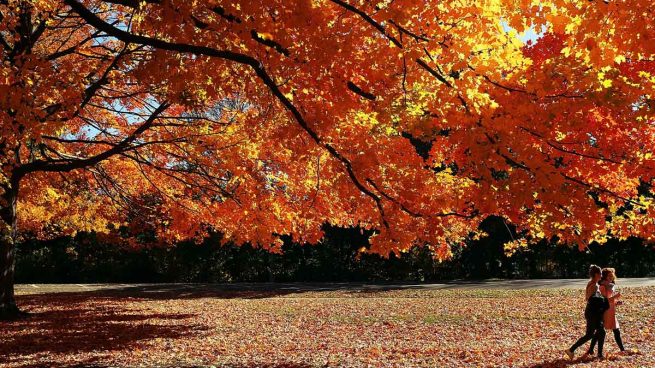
(600, 313)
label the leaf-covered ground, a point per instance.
(393, 328)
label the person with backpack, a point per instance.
(597, 304)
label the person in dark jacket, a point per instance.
(597, 304)
(607, 286)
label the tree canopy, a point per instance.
(263, 118)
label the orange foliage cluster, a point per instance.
(282, 328)
(259, 118)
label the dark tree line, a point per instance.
(87, 258)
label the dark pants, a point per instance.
(617, 338)
(595, 331)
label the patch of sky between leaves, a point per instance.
(530, 35)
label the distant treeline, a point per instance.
(86, 259)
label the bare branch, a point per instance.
(256, 65)
(41, 165)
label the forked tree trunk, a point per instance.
(8, 308)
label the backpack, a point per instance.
(596, 306)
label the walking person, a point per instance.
(597, 304)
(610, 322)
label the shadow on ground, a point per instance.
(197, 291)
(66, 323)
(83, 322)
(253, 365)
(586, 360)
(559, 363)
(266, 290)
(74, 323)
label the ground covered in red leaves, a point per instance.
(334, 328)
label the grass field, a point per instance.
(350, 328)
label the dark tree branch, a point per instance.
(370, 21)
(72, 49)
(414, 213)
(408, 32)
(73, 164)
(127, 37)
(395, 41)
(90, 92)
(562, 149)
(134, 4)
(269, 43)
(600, 189)
(433, 72)
(229, 17)
(518, 90)
(522, 166)
(4, 43)
(258, 68)
(359, 91)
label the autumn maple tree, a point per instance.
(261, 118)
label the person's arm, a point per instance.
(591, 289)
(608, 294)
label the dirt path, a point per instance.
(26, 289)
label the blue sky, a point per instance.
(530, 35)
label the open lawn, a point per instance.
(310, 327)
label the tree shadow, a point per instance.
(81, 322)
(73, 322)
(260, 365)
(245, 365)
(564, 362)
(219, 291)
(558, 363)
(276, 365)
(268, 290)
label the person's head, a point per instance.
(594, 272)
(608, 274)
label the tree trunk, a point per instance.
(8, 308)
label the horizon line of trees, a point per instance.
(87, 258)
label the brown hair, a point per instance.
(606, 272)
(594, 270)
